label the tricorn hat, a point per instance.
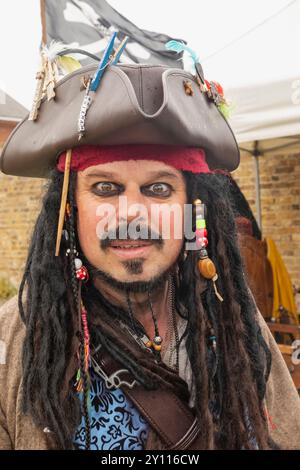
(134, 104)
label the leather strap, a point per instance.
(171, 418)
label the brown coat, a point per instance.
(18, 432)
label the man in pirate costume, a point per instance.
(126, 342)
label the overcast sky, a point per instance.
(208, 26)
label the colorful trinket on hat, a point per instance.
(86, 103)
(119, 51)
(103, 63)
(213, 89)
(93, 83)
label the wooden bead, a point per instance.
(188, 88)
(157, 347)
(207, 268)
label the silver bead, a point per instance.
(66, 235)
(68, 251)
(157, 340)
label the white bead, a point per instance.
(78, 263)
(157, 340)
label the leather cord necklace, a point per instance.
(172, 330)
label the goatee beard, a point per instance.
(130, 286)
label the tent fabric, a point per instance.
(266, 111)
(260, 74)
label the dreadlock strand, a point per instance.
(74, 282)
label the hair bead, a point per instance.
(205, 265)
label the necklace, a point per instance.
(171, 335)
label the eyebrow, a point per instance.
(100, 174)
(150, 175)
(161, 174)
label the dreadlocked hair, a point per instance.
(241, 206)
(229, 383)
(50, 327)
(229, 390)
(77, 306)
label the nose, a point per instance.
(132, 205)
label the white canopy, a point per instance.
(266, 111)
(266, 89)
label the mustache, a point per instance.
(123, 232)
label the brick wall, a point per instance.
(280, 199)
(19, 203)
(280, 196)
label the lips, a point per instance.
(127, 244)
(130, 249)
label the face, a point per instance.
(129, 225)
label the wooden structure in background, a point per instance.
(288, 333)
(259, 277)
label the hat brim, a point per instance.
(135, 104)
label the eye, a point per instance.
(158, 189)
(106, 188)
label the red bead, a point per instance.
(204, 241)
(82, 273)
(219, 88)
(201, 232)
(201, 242)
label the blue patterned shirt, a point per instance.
(115, 423)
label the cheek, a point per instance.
(86, 224)
(172, 250)
(171, 222)
(176, 227)
(167, 257)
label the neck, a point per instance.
(140, 304)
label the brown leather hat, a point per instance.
(134, 104)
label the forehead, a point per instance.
(137, 170)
